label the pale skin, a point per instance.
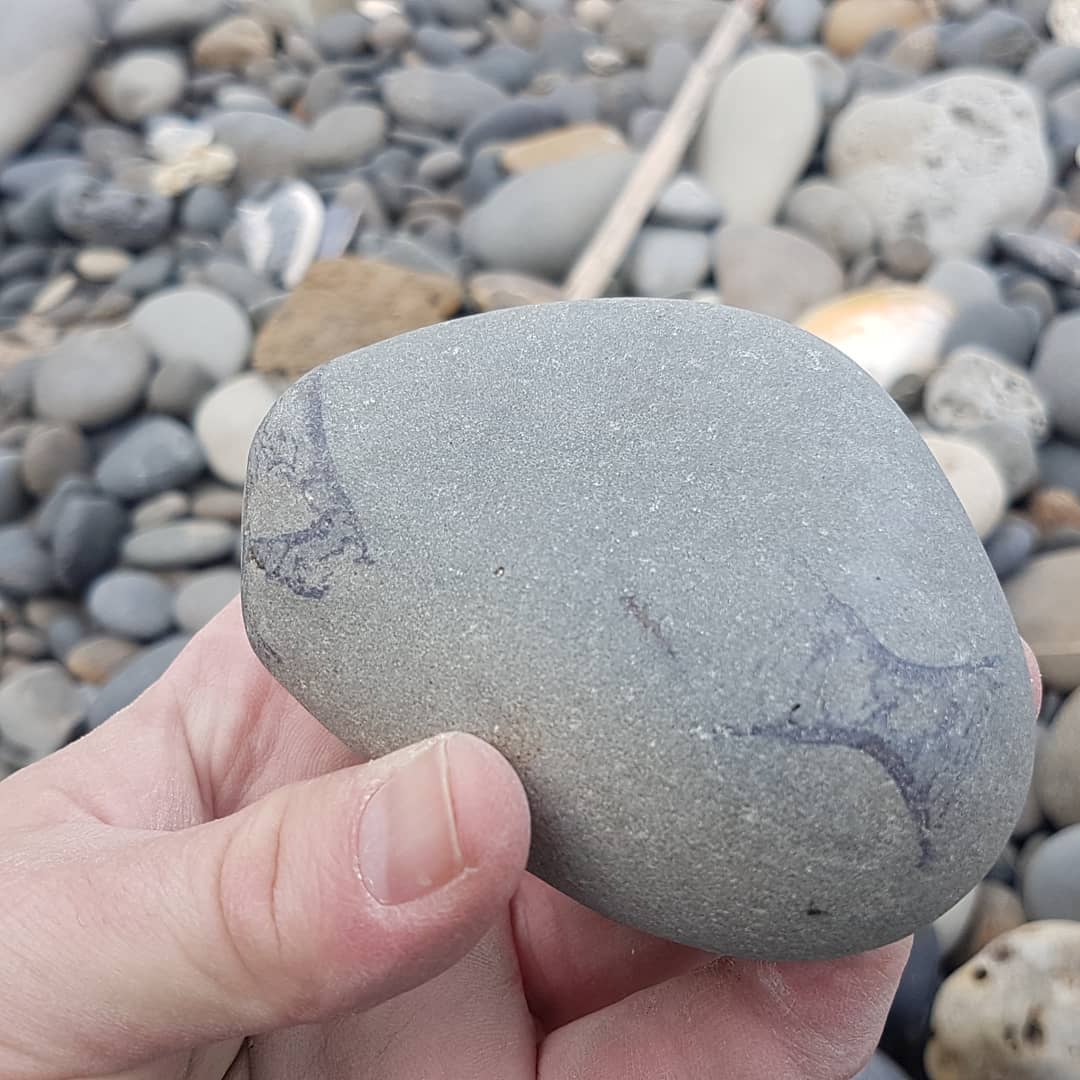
(201, 888)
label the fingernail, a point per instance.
(408, 836)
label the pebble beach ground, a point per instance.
(201, 200)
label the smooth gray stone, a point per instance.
(438, 47)
(141, 84)
(12, 492)
(92, 378)
(341, 35)
(94, 212)
(201, 598)
(31, 218)
(132, 604)
(1059, 465)
(28, 174)
(40, 708)
(164, 20)
(267, 147)
(133, 678)
(17, 296)
(1052, 878)
(505, 65)
(666, 71)
(514, 120)
(24, 259)
(832, 217)
(25, 567)
(1054, 259)
(795, 22)
(686, 203)
(155, 453)
(999, 327)
(995, 38)
(345, 135)
(433, 98)
(179, 544)
(63, 634)
(1052, 68)
(643, 125)
(45, 50)
(147, 274)
(1057, 373)
(50, 509)
(178, 386)
(1011, 545)
(619, 542)
(668, 262)
(205, 209)
(86, 538)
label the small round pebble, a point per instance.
(85, 538)
(227, 420)
(96, 659)
(178, 386)
(154, 454)
(1052, 878)
(179, 544)
(51, 452)
(1010, 545)
(161, 509)
(25, 565)
(93, 211)
(132, 678)
(1057, 373)
(140, 83)
(203, 596)
(1057, 766)
(975, 478)
(40, 708)
(101, 264)
(131, 604)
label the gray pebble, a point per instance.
(1059, 465)
(999, 327)
(666, 71)
(505, 65)
(86, 538)
(49, 510)
(17, 296)
(444, 100)
(28, 174)
(1012, 448)
(147, 274)
(690, 543)
(1052, 258)
(643, 125)
(1052, 68)
(205, 209)
(24, 259)
(795, 22)
(668, 262)
(514, 120)
(1057, 373)
(267, 147)
(346, 135)
(155, 453)
(1063, 114)
(51, 452)
(140, 84)
(579, 100)
(25, 566)
(178, 386)
(441, 167)
(562, 48)
(461, 12)
(201, 598)
(137, 675)
(25, 642)
(1032, 292)
(341, 35)
(32, 218)
(63, 634)
(325, 89)
(12, 494)
(40, 708)
(1052, 878)
(164, 20)
(132, 604)
(92, 378)
(830, 216)
(635, 25)
(687, 203)
(964, 281)
(237, 281)
(179, 544)
(995, 38)
(94, 212)
(160, 509)
(438, 47)
(1011, 545)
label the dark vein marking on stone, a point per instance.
(916, 759)
(303, 560)
(652, 626)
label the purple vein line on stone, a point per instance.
(303, 559)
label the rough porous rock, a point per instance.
(537, 223)
(1011, 1010)
(347, 303)
(773, 271)
(758, 133)
(604, 521)
(1050, 626)
(910, 157)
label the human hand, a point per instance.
(212, 884)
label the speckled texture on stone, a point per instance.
(572, 531)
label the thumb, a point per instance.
(329, 895)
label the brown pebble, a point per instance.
(26, 642)
(1051, 509)
(96, 659)
(43, 610)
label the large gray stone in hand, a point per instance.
(45, 50)
(697, 577)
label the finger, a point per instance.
(737, 1020)
(325, 896)
(574, 961)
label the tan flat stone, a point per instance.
(575, 141)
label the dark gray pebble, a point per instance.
(25, 566)
(999, 327)
(1052, 68)
(86, 538)
(154, 454)
(178, 386)
(1027, 290)
(505, 65)
(95, 212)
(1059, 465)
(341, 35)
(484, 175)
(147, 274)
(1056, 372)
(16, 296)
(1011, 545)
(514, 120)
(205, 209)
(1063, 115)
(1048, 256)
(32, 218)
(131, 604)
(438, 47)
(63, 634)
(134, 677)
(49, 510)
(995, 38)
(12, 494)
(17, 388)
(795, 22)
(28, 174)
(908, 1025)
(24, 260)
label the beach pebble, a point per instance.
(668, 262)
(439, 99)
(178, 386)
(205, 209)
(345, 135)
(966, 282)
(1056, 373)
(101, 264)
(1010, 1011)
(85, 538)
(1052, 877)
(161, 508)
(40, 708)
(155, 453)
(975, 387)
(687, 204)
(1003, 329)
(538, 222)
(233, 43)
(562, 144)
(44, 53)
(758, 133)
(141, 83)
(998, 909)
(267, 147)
(132, 678)
(491, 291)
(25, 566)
(1010, 545)
(659, 607)
(12, 492)
(51, 452)
(217, 501)
(774, 271)
(163, 20)
(1057, 766)
(975, 477)
(1048, 622)
(636, 25)
(179, 544)
(131, 604)
(96, 659)
(831, 217)
(1052, 258)
(227, 419)
(995, 38)
(795, 22)
(1059, 465)
(908, 157)
(95, 212)
(344, 304)
(91, 378)
(203, 596)
(850, 24)
(280, 234)
(192, 323)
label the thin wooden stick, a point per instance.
(605, 252)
